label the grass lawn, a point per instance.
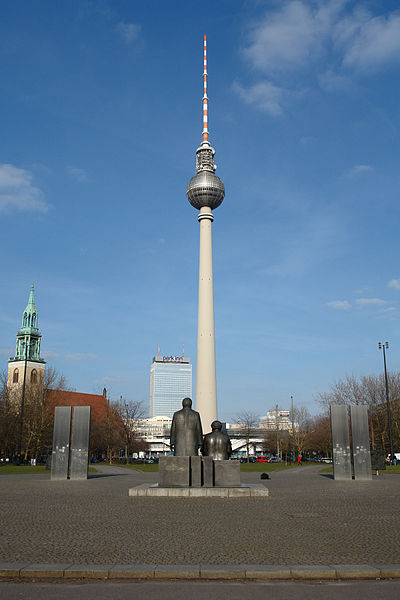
(390, 469)
(24, 469)
(269, 467)
(20, 469)
(146, 467)
(244, 467)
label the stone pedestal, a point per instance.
(208, 471)
(174, 471)
(195, 471)
(227, 473)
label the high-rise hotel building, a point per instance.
(170, 383)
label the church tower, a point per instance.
(27, 365)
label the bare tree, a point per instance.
(370, 390)
(318, 440)
(8, 420)
(248, 421)
(28, 430)
(38, 414)
(130, 412)
(107, 430)
(302, 424)
(276, 445)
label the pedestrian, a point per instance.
(299, 460)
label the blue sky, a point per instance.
(101, 115)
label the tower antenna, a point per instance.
(205, 98)
(158, 349)
(183, 350)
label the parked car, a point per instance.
(263, 459)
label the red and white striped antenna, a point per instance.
(205, 98)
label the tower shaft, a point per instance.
(206, 382)
(205, 192)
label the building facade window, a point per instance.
(15, 376)
(34, 376)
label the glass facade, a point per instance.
(170, 383)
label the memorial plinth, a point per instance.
(196, 477)
(243, 491)
(174, 471)
(197, 471)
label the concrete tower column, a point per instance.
(205, 192)
(206, 382)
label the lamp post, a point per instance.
(385, 346)
(292, 417)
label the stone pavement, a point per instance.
(308, 519)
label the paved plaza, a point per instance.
(308, 519)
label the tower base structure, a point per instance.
(206, 381)
(30, 371)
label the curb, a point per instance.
(22, 570)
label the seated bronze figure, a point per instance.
(216, 444)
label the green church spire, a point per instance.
(28, 337)
(30, 316)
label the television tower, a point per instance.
(205, 191)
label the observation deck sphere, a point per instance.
(205, 189)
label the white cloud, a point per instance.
(358, 170)
(290, 36)
(389, 309)
(331, 41)
(394, 283)
(370, 302)
(331, 81)
(121, 379)
(17, 191)
(129, 32)
(264, 95)
(77, 173)
(339, 304)
(369, 41)
(49, 354)
(82, 357)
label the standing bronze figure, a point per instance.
(186, 432)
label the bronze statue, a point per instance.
(216, 444)
(186, 432)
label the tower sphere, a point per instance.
(205, 189)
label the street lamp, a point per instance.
(385, 346)
(292, 417)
